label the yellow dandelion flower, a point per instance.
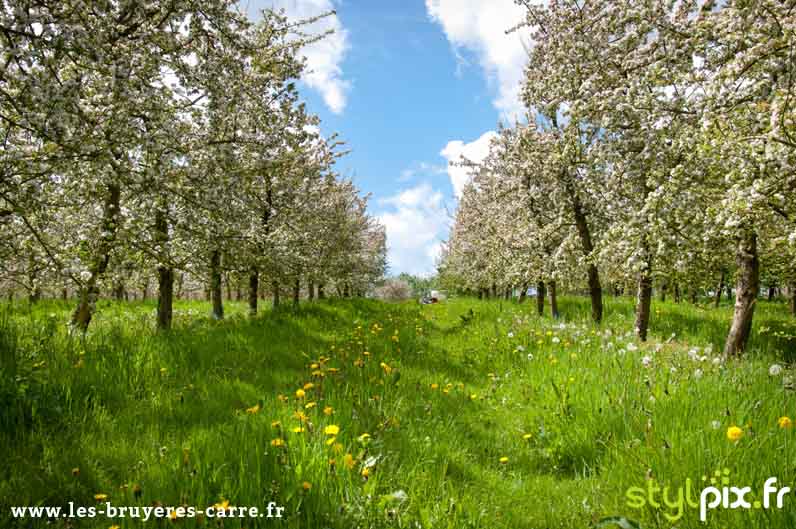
(338, 447)
(300, 416)
(434, 386)
(328, 410)
(504, 460)
(785, 422)
(364, 437)
(306, 485)
(332, 370)
(365, 353)
(310, 405)
(100, 497)
(332, 429)
(282, 398)
(298, 429)
(276, 443)
(365, 472)
(734, 433)
(349, 461)
(223, 506)
(330, 441)
(254, 409)
(308, 386)
(387, 369)
(300, 393)
(527, 436)
(276, 424)
(314, 365)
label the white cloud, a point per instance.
(324, 72)
(474, 151)
(416, 223)
(479, 26)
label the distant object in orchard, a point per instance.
(433, 296)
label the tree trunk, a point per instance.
(228, 285)
(792, 289)
(540, 295)
(663, 289)
(180, 284)
(118, 291)
(165, 296)
(321, 293)
(65, 293)
(771, 292)
(676, 293)
(523, 293)
(644, 295)
(720, 289)
(595, 289)
(275, 292)
(89, 293)
(215, 285)
(145, 291)
(507, 294)
(494, 290)
(310, 290)
(254, 286)
(693, 294)
(480, 293)
(729, 292)
(747, 287)
(551, 285)
(296, 292)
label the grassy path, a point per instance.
(363, 414)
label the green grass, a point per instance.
(570, 405)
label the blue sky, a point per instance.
(410, 85)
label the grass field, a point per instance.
(357, 413)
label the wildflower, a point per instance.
(734, 433)
(328, 410)
(365, 353)
(310, 405)
(364, 437)
(349, 461)
(434, 386)
(100, 497)
(775, 370)
(646, 361)
(276, 443)
(785, 422)
(387, 369)
(527, 436)
(632, 347)
(276, 424)
(75, 471)
(300, 393)
(556, 339)
(330, 441)
(314, 365)
(254, 409)
(504, 460)
(715, 425)
(300, 416)
(510, 335)
(365, 472)
(698, 374)
(223, 506)
(114, 527)
(308, 386)
(298, 429)
(282, 398)
(332, 429)
(306, 485)
(473, 396)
